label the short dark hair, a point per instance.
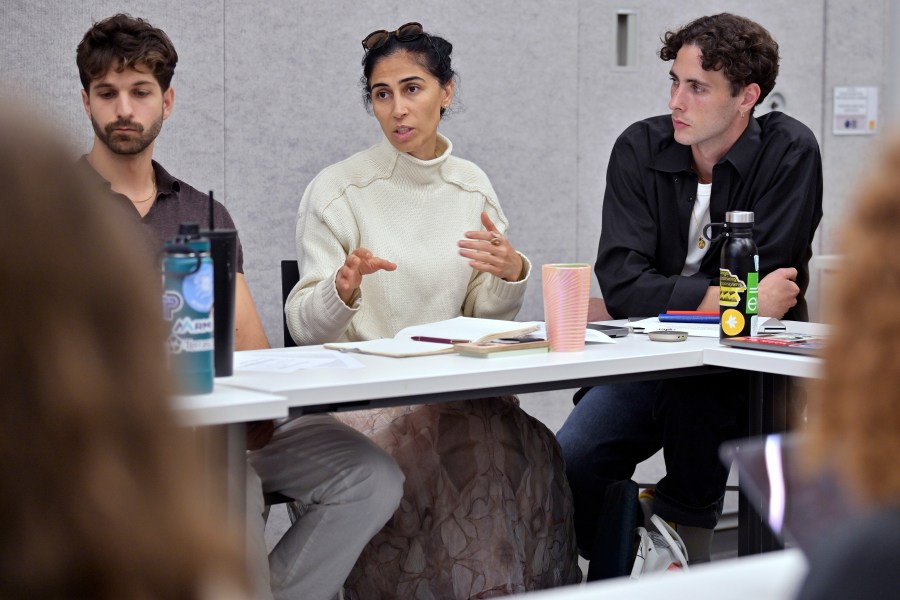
(742, 49)
(431, 51)
(123, 41)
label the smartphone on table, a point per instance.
(612, 331)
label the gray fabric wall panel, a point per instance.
(856, 55)
(38, 41)
(267, 95)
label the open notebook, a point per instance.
(438, 337)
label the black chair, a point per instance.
(271, 498)
(290, 275)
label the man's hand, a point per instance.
(778, 292)
(359, 262)
(259, 433)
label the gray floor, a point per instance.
(552, 408)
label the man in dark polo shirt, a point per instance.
(127, 116)
(667, 177)
(348, 487)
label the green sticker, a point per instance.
(752, 293)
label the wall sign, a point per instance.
(855, 110)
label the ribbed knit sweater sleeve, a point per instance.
(412, 213)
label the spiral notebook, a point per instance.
(787, 342)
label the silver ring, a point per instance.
(496, 238)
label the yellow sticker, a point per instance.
(732, 322)
(730, 288)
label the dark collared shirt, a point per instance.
(774, 170)
(176, 203)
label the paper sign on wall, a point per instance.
(855, 110)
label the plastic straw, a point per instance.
(212, 222)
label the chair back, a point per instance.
(290, 275)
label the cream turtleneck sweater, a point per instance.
(411, 212)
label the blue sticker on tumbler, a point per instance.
(198, 288)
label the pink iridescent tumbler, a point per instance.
(567, 289)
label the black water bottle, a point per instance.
(738, 277)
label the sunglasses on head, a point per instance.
(404, 33)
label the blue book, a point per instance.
(665, 318)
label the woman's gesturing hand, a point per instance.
(491, 252)
(359, 262)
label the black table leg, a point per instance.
(767, 412)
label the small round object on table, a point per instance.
(668, 336)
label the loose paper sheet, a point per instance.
(271, 361)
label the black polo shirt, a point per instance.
(176, 203)
(774, 170)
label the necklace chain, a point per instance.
(701, 243)
(148, 198)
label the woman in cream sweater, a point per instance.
(406, 233)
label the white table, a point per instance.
(228, 405)
(439, 378)
(390, 381)
(771, 576)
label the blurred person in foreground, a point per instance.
(346, 485)
(98, 490)
(855, 423)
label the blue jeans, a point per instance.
(614, 427)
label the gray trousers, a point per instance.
(349, 488)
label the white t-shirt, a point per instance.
(699, 219)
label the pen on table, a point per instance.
(425, 338)
(689, 318)
(699, 313)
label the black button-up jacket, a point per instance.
(774, 170)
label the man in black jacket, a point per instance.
(669, 176)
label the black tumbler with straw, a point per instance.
(223, 250)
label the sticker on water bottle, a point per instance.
(752, 293)
(198, 288)
(732, 322)
(730, 288)
(172, 303)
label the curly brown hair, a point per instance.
(123, 41)
(742, 49)
(855, 420)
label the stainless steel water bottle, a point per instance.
(738, 277)
(187, 307)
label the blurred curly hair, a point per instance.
(854, 418)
